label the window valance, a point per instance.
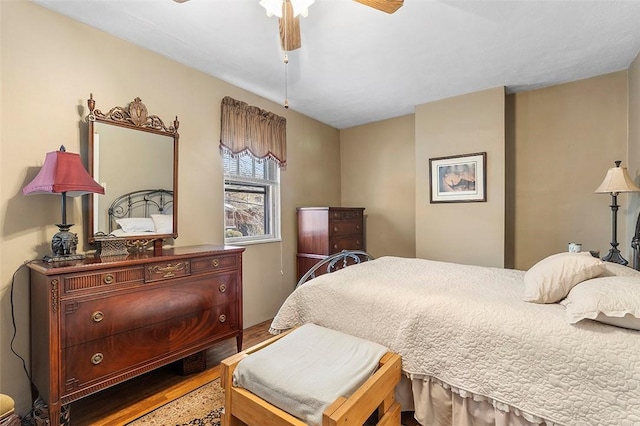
(249, 129)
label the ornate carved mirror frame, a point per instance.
(133, 117)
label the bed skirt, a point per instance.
(437, 404)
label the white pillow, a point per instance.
(550, 280)
(617, 270)
(136, 224)
(612, 300)
(163, 223)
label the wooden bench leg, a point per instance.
(376, 393)
(391, 416)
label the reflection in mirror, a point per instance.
(134, 156)
(123, 165)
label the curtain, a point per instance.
(250, 130)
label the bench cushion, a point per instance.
(307, 370)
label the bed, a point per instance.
(474, 352)
(144, 212)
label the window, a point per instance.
(251, 199)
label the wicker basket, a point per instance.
(195, 363)
(41, 414)
(112, 248)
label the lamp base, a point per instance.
(63, 245)
(614, 256)
(66, 258)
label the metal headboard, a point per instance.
(142, 203)
(334, 262)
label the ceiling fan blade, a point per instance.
(289, 28)
(180, 1)
(388, 6)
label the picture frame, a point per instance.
(458, 178)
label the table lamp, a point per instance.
(616, 181)
(63, 173)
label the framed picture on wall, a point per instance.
(458, 178)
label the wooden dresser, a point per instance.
(95, 323)
(323, 231)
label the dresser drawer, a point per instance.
(202, 292)
(202, 327)
(91, 319)
(112, 279)
(345, 228)
(339, 244)
(97, 359)
(214, 263)
(85, 364)
(167, 270)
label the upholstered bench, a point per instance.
(8, 417)
(311, 376)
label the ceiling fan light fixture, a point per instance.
(274, 7)
(301, 7)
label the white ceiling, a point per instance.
(358, 65)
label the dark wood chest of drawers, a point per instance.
(96, 323)
(323, 231)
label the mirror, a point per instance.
(134, 156)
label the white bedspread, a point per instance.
(468, 327)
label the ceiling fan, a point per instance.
(289, 11)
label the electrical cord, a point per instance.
(13, 321)
(28, 419)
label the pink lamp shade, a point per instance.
(63, 172)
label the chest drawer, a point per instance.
(345, 214)
(345, 228)
(93, 318)
(85, 364)
(352, 243)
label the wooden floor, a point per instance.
(127, 401)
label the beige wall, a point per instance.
(378, 173)
(462, 232)
(565, 139)
(568, 134)
(49, 66)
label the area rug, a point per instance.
(201, 407)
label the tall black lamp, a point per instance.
(63, 173)
(616, 181)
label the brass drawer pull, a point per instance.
(222, 288)
(215, 263)
(97, 316)
(222, 318)
(97, 358)
(335, 246)
(335, 229)
(108, 279)
(168, 271)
